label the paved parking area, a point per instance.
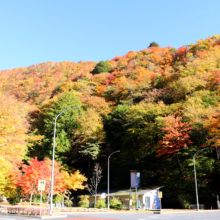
(146, 216)
(129, 216)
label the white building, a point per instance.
(147, 198)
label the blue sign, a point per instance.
(138, 180)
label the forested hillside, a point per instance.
(158, 106)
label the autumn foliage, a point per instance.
(32, 174)
(159, 106)
(41, 170)
(176, 136)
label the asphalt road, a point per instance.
(128, 216)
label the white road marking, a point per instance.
(153, 217)
(7, 218)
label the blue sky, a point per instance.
(35, 31)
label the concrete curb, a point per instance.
(188, 212)
(85, 212)
(53, 216)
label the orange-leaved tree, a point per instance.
(37, 170)
(65, 181)
(40, 170)
(176, 136)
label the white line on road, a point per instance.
(153, 217)
(7, 218)
(156, 217)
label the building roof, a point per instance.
(126, 192)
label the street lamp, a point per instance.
(108, 173)
(52, 172)
(197, 198)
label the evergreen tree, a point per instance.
(153, 44)
(101, 67)
(43, 124)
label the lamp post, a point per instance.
(52, 172)
(197, 198)
(108, 173)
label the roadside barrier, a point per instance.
(24, 210)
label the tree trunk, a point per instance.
(48, 198)
(63, 200)
(181, 166)
(30, 199)
(88, 166)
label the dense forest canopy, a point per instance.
(158, 106)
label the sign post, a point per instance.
(40, 201)
(41, 187)
(218, 203)
(160, 195)
(130, 199)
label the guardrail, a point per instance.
(194, 206)
(36, 210)
(23, 210)
(81, 209)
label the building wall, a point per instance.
(154, 200)
(124, 198)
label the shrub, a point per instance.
(58, 198)
(84, 201)
(184, 200)
(13, 200)
(133, 198)
(115, 203)
(101, 67)
(68, 203)
(15, 196)
(36, 198)
(100, 203)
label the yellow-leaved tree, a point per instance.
(187, 85)
(72, 181)
(13, 128)
(90, 133)
(13, 133)
(75, 180)
(195, 110)
(6, 181)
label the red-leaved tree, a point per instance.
(40, 170)
(176, 136)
